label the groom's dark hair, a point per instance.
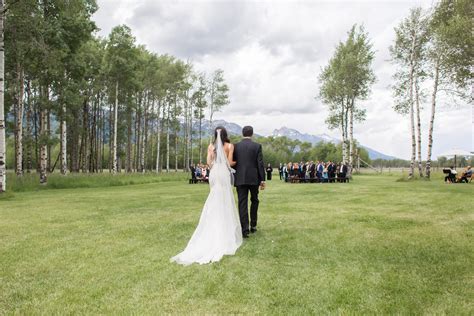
(247, 131)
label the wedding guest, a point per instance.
(342, 172)
(319, 170)
(280, 171)
(451, 177)
(199, 171)
(193, 172)
(269, 171)
(325, 173)
(466, 175)
(302, 170)
(296, 169)
(291, 169)
(285, 172)
(312, 170)
(331, 171)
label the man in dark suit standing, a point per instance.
(342, 172)
(249, 176)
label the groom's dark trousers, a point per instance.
(243, 194)
(250, 172)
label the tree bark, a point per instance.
(168, 139)
(144, 136)
(412, 116)
(433, 110)
(3, 173)
(19, 122)
(418, 128)
(128, 162)
(351, 137)
(200, 139)
(63, 147)
(344, 135)
(158, 141)
(44, 138)
(114, 147)
(29, 128)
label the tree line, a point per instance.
(76, 102)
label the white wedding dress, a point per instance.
(218, 232)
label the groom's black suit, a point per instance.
(250, 172)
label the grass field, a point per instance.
(372, 246)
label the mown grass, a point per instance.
(30, 181)
(373, 246)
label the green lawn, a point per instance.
(372, 246)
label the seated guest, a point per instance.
(199, 171)
(269, 171)
(451, 175)
(466, 175)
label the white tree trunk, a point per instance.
(351, 138)
(158, 141)
(344, 136)
(114, 149)
(29, 129)
(433, 110)
(63, 146)
(3, 174)
(412, 116)
(43, 146)
(200, 139)
(143, 148)
(168, 139)
(19, 123)
(418, 128)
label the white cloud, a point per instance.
(272, 52)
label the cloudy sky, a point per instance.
(272, 52)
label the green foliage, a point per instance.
(450, 23)
(278, 150)
(409, 54)
(374, 246)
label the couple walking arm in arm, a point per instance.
(219, 231)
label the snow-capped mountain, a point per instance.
(294, 134)
(236, 129)
(314, 139)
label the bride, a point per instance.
(218, 232)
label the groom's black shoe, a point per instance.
(253, 229)
(245, 235)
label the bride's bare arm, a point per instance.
(230, 155)
(210, 155)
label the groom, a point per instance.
(249, 177)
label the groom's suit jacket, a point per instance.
(249, 169)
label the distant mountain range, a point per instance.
(314, 139)
(236, 129)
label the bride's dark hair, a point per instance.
(224, 137)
